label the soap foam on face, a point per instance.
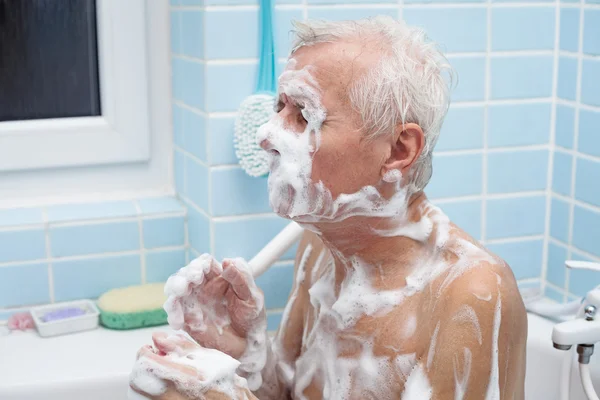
(292, 193)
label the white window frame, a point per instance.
(66, 153)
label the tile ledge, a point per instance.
(24, 217)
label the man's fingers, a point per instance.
(173, 343)
(194, 321)
(214, 270)
(165, 364)
(143, 351)
(162, 343)
(240, 280)
(174, 310)
(216, 287)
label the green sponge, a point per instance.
(133, 307)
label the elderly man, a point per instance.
(390, 299)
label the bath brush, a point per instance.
(257, 109)
(133, 307)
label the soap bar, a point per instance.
(63, 313)
(61, 318)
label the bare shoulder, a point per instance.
(483, 317)
(484, 284)
(485, 279)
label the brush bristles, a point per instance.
(254, 111)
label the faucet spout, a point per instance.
(577, 331)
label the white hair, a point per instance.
(411, 82)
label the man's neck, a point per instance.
(376, 241)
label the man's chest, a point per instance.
(371, 358)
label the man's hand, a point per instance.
(172, 370)
(218, 305)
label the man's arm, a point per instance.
(479, 348)
(279, 371)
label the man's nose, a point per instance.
(264, 135)
(265, 144)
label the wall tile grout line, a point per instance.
(578, 104)
(486, 120)
(574, 248)
(90, 256)
(575, 142)
(141, 239)
(211, 227)
(550, 171)
(92, 222)
(579, 203)
(579, 154)
(48, 255)
(515, 239)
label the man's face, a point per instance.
(317, 148)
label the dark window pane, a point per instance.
(48, 59)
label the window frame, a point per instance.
(62, 155)
(120, 134)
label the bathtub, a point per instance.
(95, 365)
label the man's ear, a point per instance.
(407, 146)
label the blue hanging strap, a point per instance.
(266, 66)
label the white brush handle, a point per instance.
(275, 248)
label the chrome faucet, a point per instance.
(585, 328)
(583, 331)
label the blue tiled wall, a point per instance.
(575, 212)
(520, 141)
(75, 251)
(494, 156)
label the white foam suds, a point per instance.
(142, 378)
(410, 326)
(190, 305)
(417, 386)
(339, 364)
(486, 297)
(255, 356)
(192, 372)
(405, 364)
(461, 380)
(392, 176)
(185, 296)
(283, 363)
(493, 389)
(321, 363)
(291, 193)
(133, 395)
(431, 352)
(466, 314)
